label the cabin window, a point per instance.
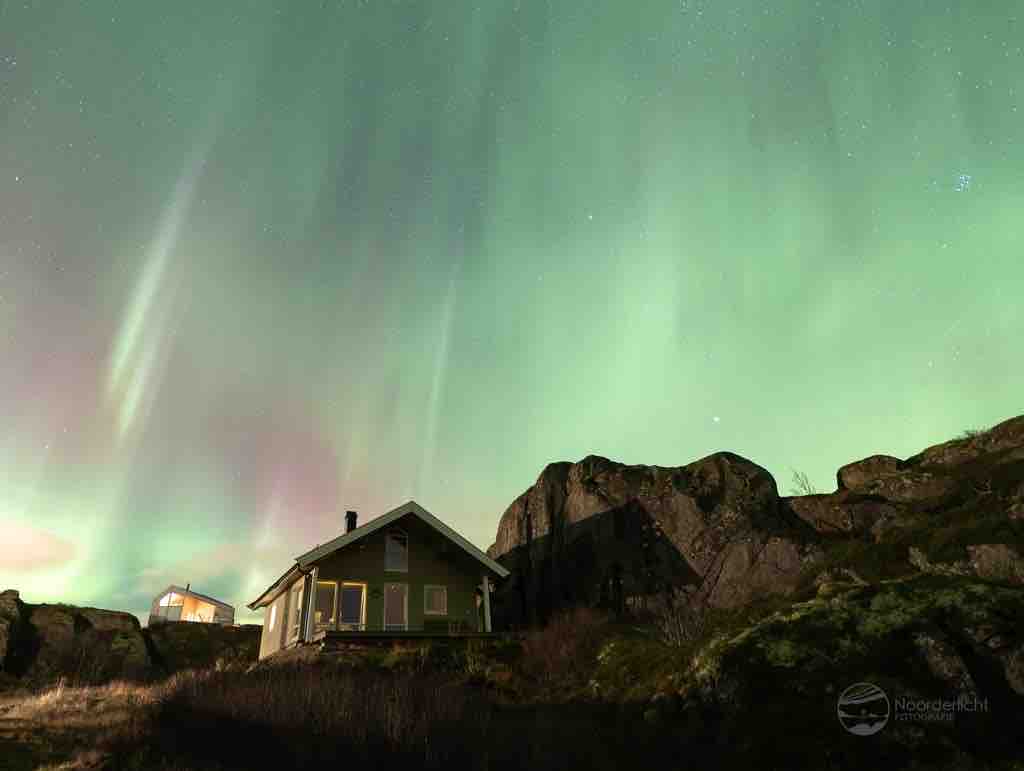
(435, 600)
(170, 606)
(295, 611)
(326, 604)
(396, 551)
(273, 617)
(353, 607)
(197, 610)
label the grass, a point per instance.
(58, 727)
(323, 716)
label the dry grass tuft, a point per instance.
(566, 648)
(63, 702)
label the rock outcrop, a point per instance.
(10, 618)
(201, 646)
(42, 643)
(595, 529)
(86, 643)
(931, 643)
(586, 530)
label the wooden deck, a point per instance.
(330, 637)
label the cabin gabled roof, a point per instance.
(304, 561)
(189, 592)
(287, 577)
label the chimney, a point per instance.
(350, 521)
(187, 587)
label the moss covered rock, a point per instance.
(183, 645)
(927, 637)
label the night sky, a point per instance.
(262, 262)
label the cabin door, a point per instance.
(396, 607)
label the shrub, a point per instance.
(565, 649)
(681, 619)
(802, 484)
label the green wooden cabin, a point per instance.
(404, 573)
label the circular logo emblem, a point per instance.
(863, 709)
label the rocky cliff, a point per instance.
(41, 643)
(587, 531)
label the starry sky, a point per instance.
(262, 262)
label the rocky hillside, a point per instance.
(598, 530)
(908, 577)
(41, 643)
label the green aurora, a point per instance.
(262, 262)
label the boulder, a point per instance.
(922, 489)
(10, 618)
(1006, 436)
(997, 561)
(718, 518)
(1013, 666)
(86, 644)
(841, 512)
(944, 662)
(531, 514)
(991, 561)
(179, 646)
(856, 474)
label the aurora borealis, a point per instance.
(262, 262)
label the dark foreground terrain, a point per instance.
(909, 578)
(585, 692)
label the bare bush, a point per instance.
(564, 649)
(802, 484)
(682, 618)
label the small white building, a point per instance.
(177, 604)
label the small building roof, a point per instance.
(182, 590)
(304, 561)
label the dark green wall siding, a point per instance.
(433, 560)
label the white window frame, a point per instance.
(362, 607)
(387, 540)
(172, 600)
(444, 593)
(295, 607)
(332, 622)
